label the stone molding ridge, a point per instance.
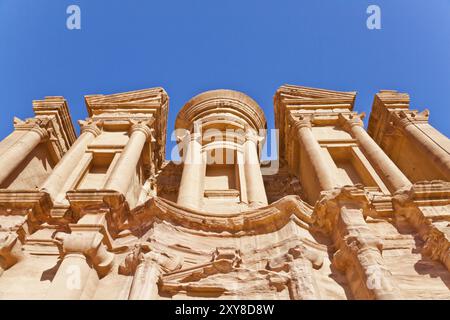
(254, 221)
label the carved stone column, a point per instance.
(256, 193)
(358, 253)
(85, 259)
(35, 133)
(191, 190)
(125, 168)
(394, 178)
(438, 155)
(313, 152)
(147, 267)
(359, 257)
(57, 179)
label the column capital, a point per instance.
(87, 243)
(142, 126)
(349, 121)
(188, 136)
(406, 118)
(329, 205)
(300, 122)
(37, 125)
(91, 126)
(251, 135)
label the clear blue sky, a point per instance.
(189, 46)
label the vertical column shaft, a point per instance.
(71, 278)
(256, 193)
(85, 260)
(394, 178)
(125, 168)
(13, 157)
(439, 156)
(69, 162)
(192, 180)
(145, 281)
(359, 256)
(314, 153)
(303, 285)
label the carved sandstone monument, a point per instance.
(346, 214)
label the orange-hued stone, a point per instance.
(343, 213)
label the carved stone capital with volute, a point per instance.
(142, 126)
(37, 125)
(406, 118)
(251, 135)
(87, 243)
(91, 126)
(347, 121)
(300, 122)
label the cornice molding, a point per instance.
(139, 105)
(255, 221)
(57, 109)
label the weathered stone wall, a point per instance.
(348, 214)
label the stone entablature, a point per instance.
(343, 216)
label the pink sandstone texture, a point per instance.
(342, 213)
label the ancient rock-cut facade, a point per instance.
(344, 213)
